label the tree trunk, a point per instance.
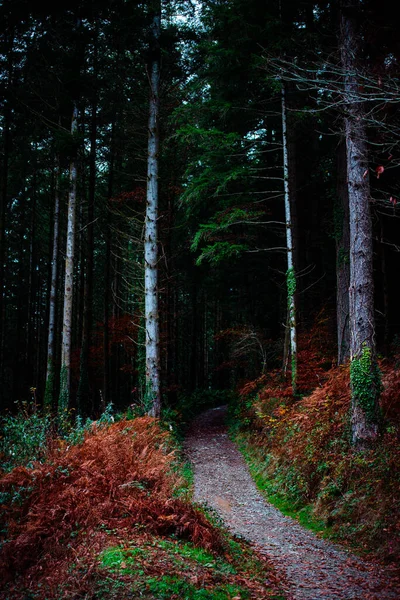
(84, 384)
(151, 229)
(290, 275)
(385, 288)
(30, 347)
(364, 372)
(4, 192)
(342, 235)
(49, 391)
(65, 374)
(107, 283)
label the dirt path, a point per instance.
(313, 568)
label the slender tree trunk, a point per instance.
(32, 286)
(4, 193)
(49, 391)
(290, 275)
(84, 385)
(342, 234)
(151, 228)
(107, 283)
(365, 379)
(194, 338)
(65, 374)
(385, 288)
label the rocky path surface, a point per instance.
(313, 568)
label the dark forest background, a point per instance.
(222, 240)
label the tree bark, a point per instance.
(65, 374)
(151, 228)
(365, 380)
(290, 275)
(4, 192)
(49, 391)
(342, 235)
(84, 383)
(107, 283)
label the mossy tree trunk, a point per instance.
(364, 372)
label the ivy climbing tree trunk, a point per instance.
(65, 374)
(49, 390)
(151, 226)
(364, 371)
(290, 275)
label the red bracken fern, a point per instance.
(121, 475)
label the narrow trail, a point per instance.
(313, 568)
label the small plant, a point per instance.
(24, 437)
(168, 586)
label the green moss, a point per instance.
(366, 383)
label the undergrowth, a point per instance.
(29, 435)
(111, 517)
(301, 456)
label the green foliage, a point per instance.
(220, 223)
(221, 251)
(197, 555)
(75, 434)
(24, 438)
(366, 383)
(183, 560)
(168, 586)
(286, 490)
(112, 558)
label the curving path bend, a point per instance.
(313, 568)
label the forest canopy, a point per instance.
(187, 188)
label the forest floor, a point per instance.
(313, 568)
(110, 517)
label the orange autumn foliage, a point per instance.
(312, 462)
(120, 476)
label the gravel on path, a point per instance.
(313, 568)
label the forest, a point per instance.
(198, 207)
